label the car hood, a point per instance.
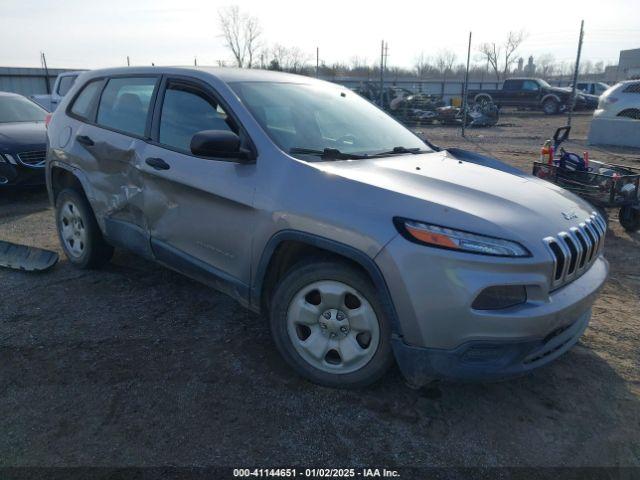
(21, 136)
(463, 190)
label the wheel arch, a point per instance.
(482, 95)
(552, 96)
(62, 176)
(288, 247)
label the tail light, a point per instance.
(47, 119)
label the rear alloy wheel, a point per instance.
(550, 107)
(328, 324)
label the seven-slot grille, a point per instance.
(32, 159)
(575, 250)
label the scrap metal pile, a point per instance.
(422, 108)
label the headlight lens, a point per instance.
(2, 159)
(443, 237)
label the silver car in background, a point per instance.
(361, 242)
(617, 119)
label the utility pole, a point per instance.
(575, 74)
(384, 49)
(195, 61)
(317, 61)
(128, 62)
(46, 73)
(464, 90)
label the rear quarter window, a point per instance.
(82, 105)
(124, 104)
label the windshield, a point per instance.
(544, 83)
(19, 109)
(316, 117)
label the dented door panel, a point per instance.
(203, 208)
(112, 165)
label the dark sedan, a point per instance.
(23, 141)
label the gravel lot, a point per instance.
(135, 365)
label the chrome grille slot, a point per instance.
(32, 159)
(584, 248)
(592, 239)
(574, 250)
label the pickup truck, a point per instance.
(62, 85)
(533, 93)
(592, 88)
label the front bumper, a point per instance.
(485, 360)
(439, 334)
(17, 175)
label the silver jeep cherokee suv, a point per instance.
(303, 201)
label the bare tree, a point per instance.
(445, 60)
(241, 33)
(491, 53)
(599, 67)
(422, 65)
(546, 65)
(292, 59)
(586, 68)
(514, 40)
(500, 58)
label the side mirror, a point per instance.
(219, 143)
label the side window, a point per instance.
(186, 110)
(512, 85)
(85, 100)
(124, 104)
(65, 84)
(530, 86)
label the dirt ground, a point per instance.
(135, 365)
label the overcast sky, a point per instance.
(93, 34)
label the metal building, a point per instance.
(629, 64)
(28, 81)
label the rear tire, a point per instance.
(629, 218)
(550, 107)
(483, 101)
(329, 325)
(78, 231)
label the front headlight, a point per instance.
(443, 237)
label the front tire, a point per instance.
(78, 231)
(329, 325)
(550, 107)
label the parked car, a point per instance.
(360, 241)
(61, 86)
(592, 88)
(22, 141)
(617, 119)
(535, 94)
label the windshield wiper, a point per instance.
(327, 153)
(399, 150)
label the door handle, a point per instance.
(85, 140)
(157, 163)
